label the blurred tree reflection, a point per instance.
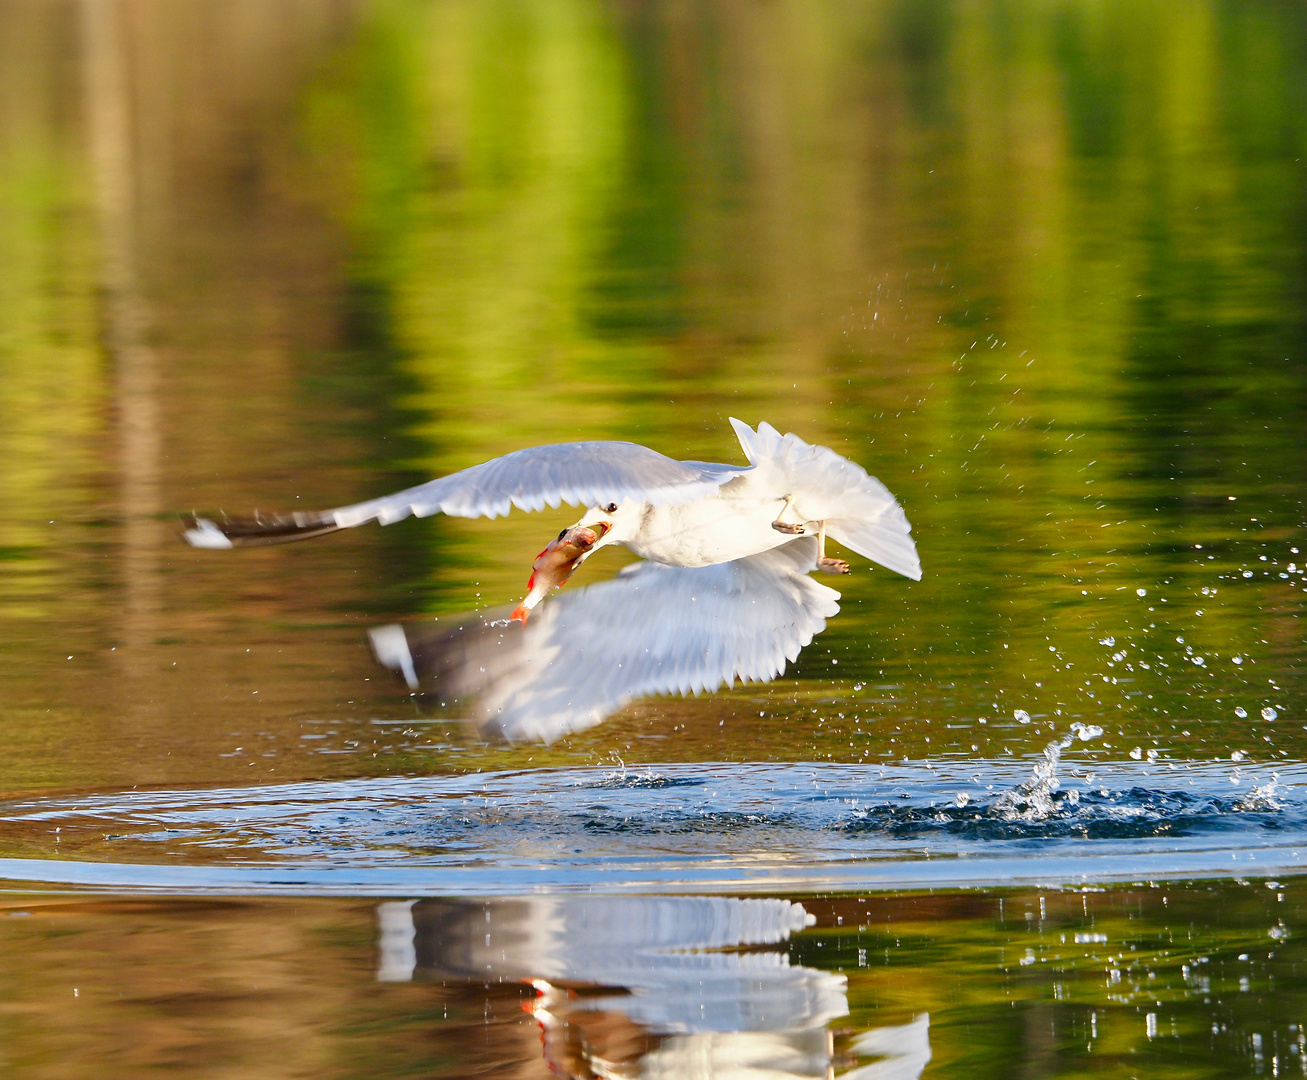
(1042, 269)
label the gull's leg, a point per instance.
(825, 565)
(783, 526)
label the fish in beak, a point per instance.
(557, 563)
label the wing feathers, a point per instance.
(654, 629)
(578, 474)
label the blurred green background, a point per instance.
(1041, 268)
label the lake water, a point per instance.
(1043, 270)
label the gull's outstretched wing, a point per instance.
(578, 474)
(654, 629)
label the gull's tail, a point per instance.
(886, 539)
(858, 509)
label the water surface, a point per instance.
(1042, 271)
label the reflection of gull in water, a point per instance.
(653, 629)
(638, 986)
(681, 513)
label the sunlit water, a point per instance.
(1039, 269)
(742, 827)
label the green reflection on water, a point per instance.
(1041, 270)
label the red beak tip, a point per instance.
(519, 614)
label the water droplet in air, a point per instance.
(1240, 711)
(1236, 659)
(1269, 713)
(1247, 573)
(1137, 753)
(1238, 755)
(1021, 716)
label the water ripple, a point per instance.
(675, 825)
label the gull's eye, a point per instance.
(562, 534)
(611, 508)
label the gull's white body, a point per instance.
(787, 480)
(732, 523)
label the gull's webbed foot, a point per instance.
(832, 566)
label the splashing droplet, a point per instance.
(1269, 713)
(1240, 711)
(1021, 716)
(1036, 798)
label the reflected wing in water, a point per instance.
(654, 629)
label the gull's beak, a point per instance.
(557, 563)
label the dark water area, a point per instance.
(1043, 270)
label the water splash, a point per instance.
(1036, 799)
(1262, 798)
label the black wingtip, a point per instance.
(227, 532)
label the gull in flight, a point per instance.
(680, 513)
(724, 592)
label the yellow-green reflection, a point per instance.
(51, 379)
(1039, 269)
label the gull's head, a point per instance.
(559, 561)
